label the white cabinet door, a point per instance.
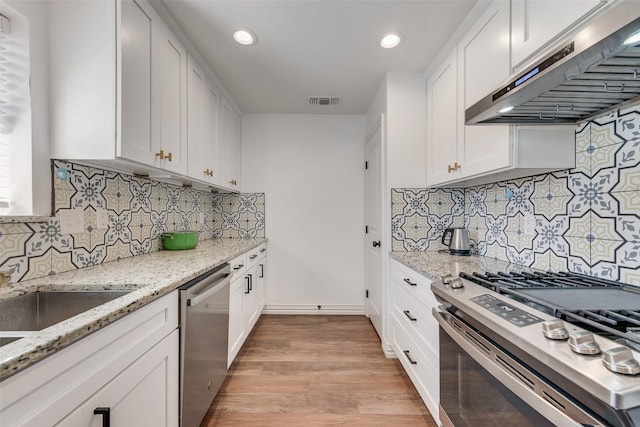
(199, 155)
(483, 64)
(261, 284)
(222, 178)
(234, 151)
(536, 23)
(170, 101)
(146, 393)
(212, 110)
(251, 301)
(137, 141)
(442, 122)
(236, 317)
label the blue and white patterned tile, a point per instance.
(520, 201)
(579, 251)
(558, 184)
(629, 181)
(524, 257)
(416, 202)
(173, 198)
(603, 250)
(552, 206)
(605, 270)
(141, 247)
(158, 198)
(583, 137)
(541, 261)
(603, 228)
(61, 262)
(439, 209)
(117, 192)
(628, 202)
(550, 235)
(628, 123)
(496, 230)
(603, 132)
(117, 251)
(475, 201)
(628, 227)
(82, 258)
(541, 187)
(141, 194)
(496, 251)
(557, 262)
(438, 196)
(88, 185)
(579, 226)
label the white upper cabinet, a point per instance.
(483, 63)
(125, 93)
(202, 118)
(536, 23)
(228, 158)
(137, 23)
(169, 65)
(442, 124)
(471, 155)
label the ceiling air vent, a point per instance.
(325, 100)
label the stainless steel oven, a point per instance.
(482, 386)
(513, 354)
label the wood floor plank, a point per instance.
(316, 371)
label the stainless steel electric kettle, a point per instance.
(457, 239)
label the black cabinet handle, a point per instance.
(248, 285)
(261, 271)
(250, 282)
(413, 362)
(262, 250)
(252, 257)
(410, 283)
(408, 314)
(106, 415)
(238, 267)
(376, 244)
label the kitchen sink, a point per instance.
(23, 315)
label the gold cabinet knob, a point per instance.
(208, 172)
(450, 169)
(456, 166)
(160, 154)
(233, 182)
(168, 156)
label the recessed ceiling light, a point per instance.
(245, 37)
(390, 40)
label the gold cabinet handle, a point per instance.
(233, 182)
(450, 169)
(160, 154)
(168, 156)
(208, 172)
(456, 166)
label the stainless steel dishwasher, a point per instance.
(204, 336)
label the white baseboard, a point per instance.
(388, 351)
(313, 309)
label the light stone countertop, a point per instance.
(148, 276)
(434, 265)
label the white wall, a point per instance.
(310, 168)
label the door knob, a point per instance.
(376, 244)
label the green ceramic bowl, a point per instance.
(179, 240)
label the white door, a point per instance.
(373, 226)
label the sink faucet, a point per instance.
(5, 278)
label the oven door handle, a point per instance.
(536, 392)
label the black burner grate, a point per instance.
(603, 306)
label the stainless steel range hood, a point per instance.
(592, 72)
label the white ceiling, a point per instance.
(314, 47)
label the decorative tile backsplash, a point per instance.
(585, 219)
(120, 216)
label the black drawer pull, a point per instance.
(238, 267)
(410, 283)
(106, 415)
(252, 257)
(248, 284)
(408, 314)
(262, 250)
(413, 362)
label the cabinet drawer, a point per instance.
(417, 285)
(238, 265)
(422, 367)
(416, 317)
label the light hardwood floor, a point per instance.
(316, 371)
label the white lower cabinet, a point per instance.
(129, 367)
(247, 297)
(414, 332)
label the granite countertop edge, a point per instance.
(433, 265)
(148, 277)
